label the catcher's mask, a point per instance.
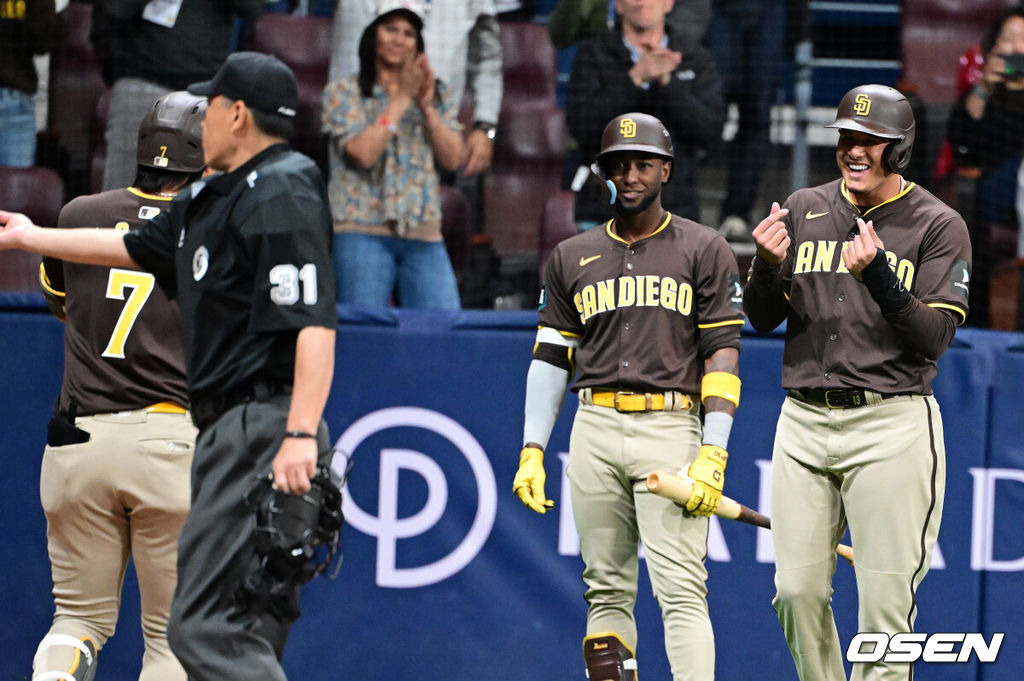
(298, 537)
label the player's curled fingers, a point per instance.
(875, 239)
(529, 481)
(696, 499)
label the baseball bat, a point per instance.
(679, 489)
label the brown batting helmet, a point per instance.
(635, 132)
(171, 134)
(881, 111)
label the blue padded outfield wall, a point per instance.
(446, 574)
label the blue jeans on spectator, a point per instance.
(17, 128)
(371, 268)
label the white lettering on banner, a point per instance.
(569, 540)
(765, 552)
(388, 527)
(983, 519)
(911, 646)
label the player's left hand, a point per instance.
(529, 482)
(295, 464)
(862, 249)
(479, 153)
(708, 475)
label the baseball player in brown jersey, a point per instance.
(871, 273)
(646, 311)
(115, 473)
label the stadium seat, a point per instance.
(304, 44)
(39, 193)
(530, 145)
(527, 170)
(75, 85)
(528, 62)
(98, 142)
(557, 224)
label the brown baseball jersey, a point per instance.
(645, 312)
(122, 347)
(836, 336)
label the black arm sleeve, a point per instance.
(764, 300)
(924, 329)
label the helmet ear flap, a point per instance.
(596, 168)
(897, 155)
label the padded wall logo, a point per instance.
(387, 526)
(959, 647)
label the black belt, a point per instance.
(840, 398)
(206, 410)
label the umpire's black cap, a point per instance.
(262, 81)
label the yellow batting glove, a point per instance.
(708, 475)
(529, 482)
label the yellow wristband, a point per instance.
(720, 384)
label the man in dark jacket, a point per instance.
(644, 66)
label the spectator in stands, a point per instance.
(388, 127)
(986, 129)
(464, 48)
(149, 49)
(26, 29)
(644, 65)
(746, 37)
(573, 21)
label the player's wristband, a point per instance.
(720, 384)
(717, 426)
(299, 434)
(884, 286)
(389, 125)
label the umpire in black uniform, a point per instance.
(247, 254)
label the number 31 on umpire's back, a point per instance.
(287, 280)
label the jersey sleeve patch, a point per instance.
(960, 279)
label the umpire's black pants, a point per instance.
(214, 635)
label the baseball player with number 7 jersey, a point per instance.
(114, 480)
(645, 311)
(871, 274)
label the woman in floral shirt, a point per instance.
(389, 125)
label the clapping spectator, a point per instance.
(645, 66)
(388, 126)
(463, 44)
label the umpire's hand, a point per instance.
(295, 464)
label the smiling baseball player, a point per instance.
(871, 273)
(646, 311)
